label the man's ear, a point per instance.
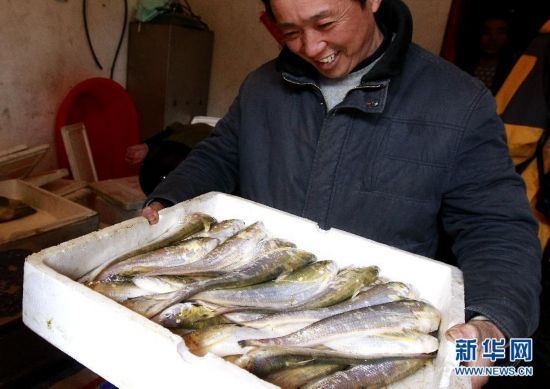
(374, 5)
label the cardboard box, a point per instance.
(131, 351)
(56, 219)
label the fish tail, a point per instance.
(254, 342)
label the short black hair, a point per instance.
(267, 4)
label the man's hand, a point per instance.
(480, 330)
(151, 212)
(136, 154)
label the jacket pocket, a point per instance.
(415, 161)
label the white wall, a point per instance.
(43, 54)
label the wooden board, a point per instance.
(12, 150)
(47, 177)
(56, 220)
(79, 153)
(20, 163)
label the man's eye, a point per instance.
(324, 26)
(290, 34)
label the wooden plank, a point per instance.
(47, 177)
(12, 150)
(79, 152)
(19, 164)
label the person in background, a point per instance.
(161, 153)
(523, 103)
(355, 127)
(495, 56)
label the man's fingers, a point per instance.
(461, 331)
(480, 330)
(151, 213)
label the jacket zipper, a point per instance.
(320, 93)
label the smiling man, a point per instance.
(356, 127)
(334, 36)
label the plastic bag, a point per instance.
(147, 10)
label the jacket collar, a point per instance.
(394, 16)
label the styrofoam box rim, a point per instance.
(131, 351)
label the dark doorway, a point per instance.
(523, 18)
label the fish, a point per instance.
(183, 315)
(161, 284)
(221, 231)
(235, 251)
(187, 226)
(221, 340)
(262, 361)
(296, 377)
(287, 322)
(157, 261)
(117, 290)
(11, 209)
(402, 343)
(285, 292)
(263, 247)
(375, 374)
(267, 267)
(378, 319)
(347, 283)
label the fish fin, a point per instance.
(355, 293)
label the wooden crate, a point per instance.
(118, 199)
(18, 161)
(56, 220)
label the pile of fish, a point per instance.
(273, 309)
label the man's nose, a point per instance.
(312, 43)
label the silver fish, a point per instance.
(222, 230)
(347, 283)
(292, 290)
(235, 251)
(157, 261)
(265, 360)
(376, 374)
(117, 290)
(184, 315)
(287, 322)
(161, 284)
(221, 340)
(269, 266)
(402, 343)
(296, 377)
(189, 225)
(383, 318)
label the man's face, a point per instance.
(332, 35)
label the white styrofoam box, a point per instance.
(131, 351)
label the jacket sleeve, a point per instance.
(485, 211)
(212, 165)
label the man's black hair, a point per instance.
(267, 4)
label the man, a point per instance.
(356, 128)
(161, 153)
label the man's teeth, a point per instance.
(328, 59)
